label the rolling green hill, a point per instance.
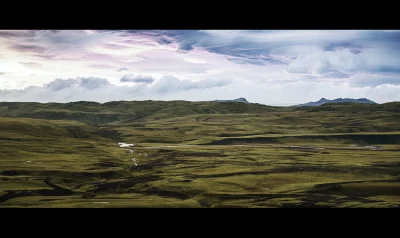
(199, 154)
(120, 111)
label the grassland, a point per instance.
(202, 154)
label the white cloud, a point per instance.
(284, 92)
(345, 61)
(100, 89)
(263, 66)
(373, 80)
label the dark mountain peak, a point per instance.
(241, 100)
(323, 101)
(234, 100)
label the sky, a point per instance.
(273, 67)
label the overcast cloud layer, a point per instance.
(269, 67)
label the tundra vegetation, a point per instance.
(199, 154)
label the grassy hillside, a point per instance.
(121, 111)
(202, 154)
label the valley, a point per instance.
(199, 154)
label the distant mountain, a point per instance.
(323, 101)
(234, 100)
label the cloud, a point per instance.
(185, 46)
(16, 34)
(355, 49)
(85, 83)
(373, 80)
(248, 45)
(308, 77)
(261, 47)
(168, 84)
(101, 90)
(335, 74)
(165, 41)
(289, 93)
(242, 61)
(114, 46)
(28, 48)
(136, 79)
(100, 66)
(62, 44)
(345, 61)
(32, 65)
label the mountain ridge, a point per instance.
(323, 101)
(234, 100)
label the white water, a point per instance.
(122, 145)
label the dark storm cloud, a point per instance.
(260, 47)
(185, 46)
(164, 41)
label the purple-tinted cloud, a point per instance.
(28, 48)
(100, 66)
(115, 46)
(204, 59)
(17, 34)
